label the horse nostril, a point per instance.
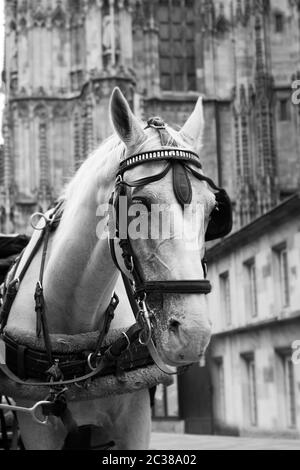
(174, 326)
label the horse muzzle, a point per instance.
(182, 343)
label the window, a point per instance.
(176, 21)
(284, 110)
(288, 387)
(251, 388)
(289, 376)
(282, 266)
(225, 296)
(166, 401)
(284, 277)
(251, 288)
(252, 392)
(77, 54)
(220, 389)
(279, 23)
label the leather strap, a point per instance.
(176, 287)
(166, 154)
(109, 316)
(160, 364)
(150, 345)
(12, 288)
(9, 298)
(110, 356)
(132, 263)
(159, 125)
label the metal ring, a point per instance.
(89, 362)
(42, 216)
(148, 338)
(127, 339)
(143, 317)
(34, 411)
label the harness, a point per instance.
(60, 371)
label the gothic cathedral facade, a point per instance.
(63, 58)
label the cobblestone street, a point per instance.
(164, 441)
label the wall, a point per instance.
(267, 336)
(268, 285)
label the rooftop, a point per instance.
(280, 214)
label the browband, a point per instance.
(160, 155)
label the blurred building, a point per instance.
(256, 315)
(62, 60)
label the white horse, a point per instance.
(80, 276)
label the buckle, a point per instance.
(156, 123)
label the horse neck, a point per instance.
(80, 274)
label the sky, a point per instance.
(1, 61)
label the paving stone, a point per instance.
(165, 441)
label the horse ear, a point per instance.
(192, 131)
(124, 122)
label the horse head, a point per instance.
(166, 212)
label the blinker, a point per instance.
(181, 184)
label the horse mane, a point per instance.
(105, 160)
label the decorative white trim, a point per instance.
(177, 154)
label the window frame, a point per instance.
(225, 296)
(279, 22)
(284, 112)
(179, 79)
(282, 277)
(290, 392)
(251, 377)
(287, 387)
(220, 403)
(251, 292)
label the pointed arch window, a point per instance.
(176, 22)
(279, 22)
(77, 53)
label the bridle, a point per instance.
(138, 289)
(141, 287)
